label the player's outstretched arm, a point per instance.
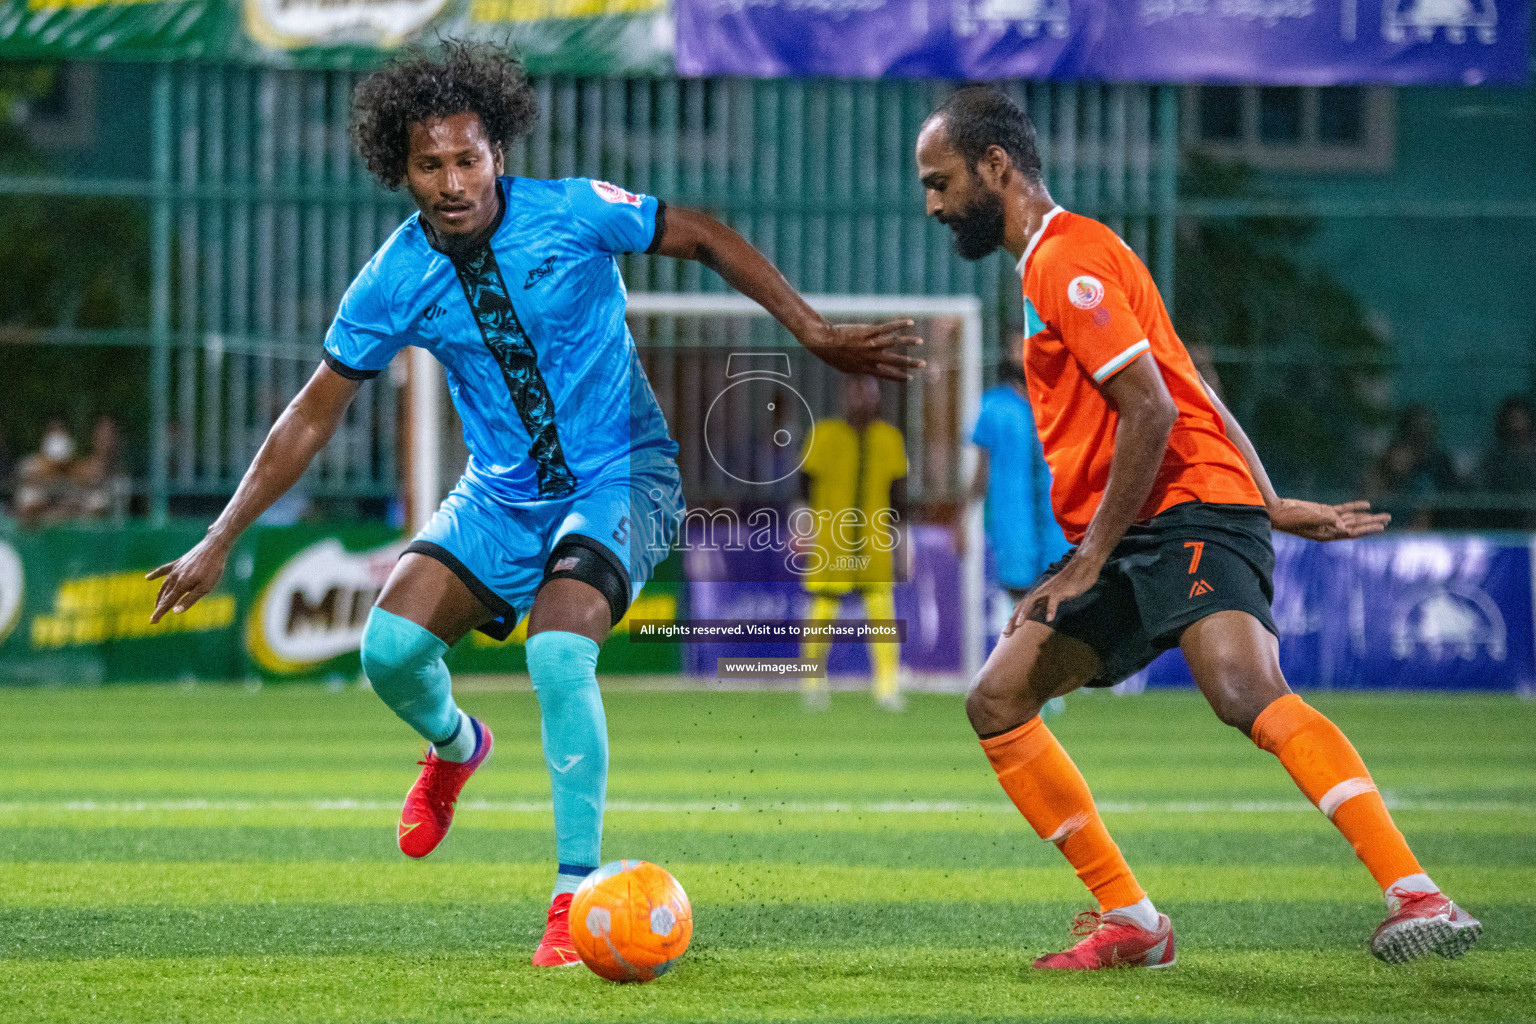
(297, 436)
(1308, 519)
(875, 349)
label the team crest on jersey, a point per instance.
(614, 194)
(1085, 292)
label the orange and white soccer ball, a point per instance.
(631, 921)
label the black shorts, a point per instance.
(1187, 562)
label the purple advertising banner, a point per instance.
(1406, 611)
(1274, 42)
(764, 590)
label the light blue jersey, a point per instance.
(541, 365)
(564, 433)
(1021, 528)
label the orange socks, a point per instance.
(1049, 791)
(1329, 771)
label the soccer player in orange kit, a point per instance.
(1170, 512)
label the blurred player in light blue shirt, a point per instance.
(1012, 475)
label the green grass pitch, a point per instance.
(212, 854)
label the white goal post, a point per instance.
(428, 389)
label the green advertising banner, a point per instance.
(576, 37)
(311, 590)
(120, 29)
(75, 606)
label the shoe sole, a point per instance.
(1406, 942)
(1107, 967)
(1460, 940)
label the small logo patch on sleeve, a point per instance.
(1085, 292)
(1033, 324)
(614, 194)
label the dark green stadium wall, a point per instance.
(1456, 294)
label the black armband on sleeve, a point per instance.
(349, 372)
(661, 225)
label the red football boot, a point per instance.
(556, 949)
(1113, 941)
(428, 807)
(1424, 922)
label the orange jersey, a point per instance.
(1091, 308)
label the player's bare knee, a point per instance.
(992, 706)
(978, 707)
(1239, 694)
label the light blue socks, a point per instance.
(404, 662)
(563, 667)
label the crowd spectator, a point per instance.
(101, 486)
(55, 485)
(1415, 467)
(43, 486)
(1509, 465)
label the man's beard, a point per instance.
(979, 230)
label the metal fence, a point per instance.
(261, 214)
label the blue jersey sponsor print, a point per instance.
(530, 328)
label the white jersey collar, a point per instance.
(1034, 239)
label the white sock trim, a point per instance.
(463, 746)
(1141, 913)
(1346, 790)
(1408, 883)
(565, 883)
(1069, 827)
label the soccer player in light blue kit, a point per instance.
(571, 495)
(1015, 482)
(1012, 476)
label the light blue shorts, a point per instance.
(501, 552)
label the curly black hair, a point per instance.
(418, 85)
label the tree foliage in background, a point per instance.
(1300, 364)
(80, 263)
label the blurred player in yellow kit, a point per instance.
(855, 481)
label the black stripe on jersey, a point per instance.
(503, 332)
